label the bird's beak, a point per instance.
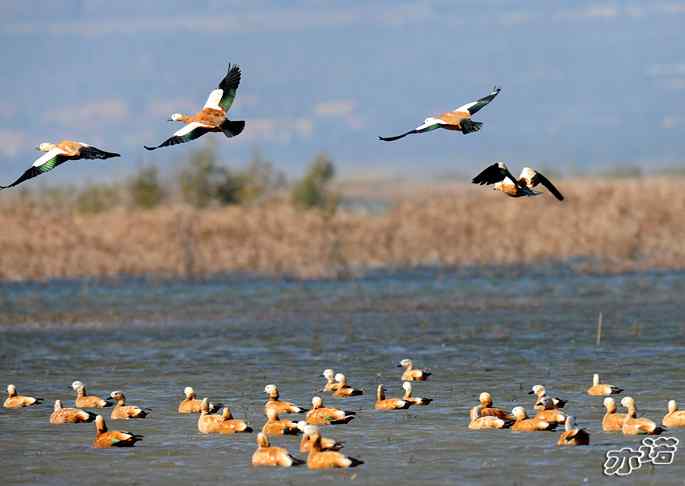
(37, 148)
(531, 392)
(399, 366)
(170, 120)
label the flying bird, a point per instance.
(212, 117)
(57, 154)
(458, 120)
(499, 175)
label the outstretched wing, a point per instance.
(90, 152)
(222, 97)
(548, 184)
(430, 124)
(189, 132)
(497, 172)
(45, 163)
(475, 106)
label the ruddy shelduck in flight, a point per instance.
(602, 389)
(572, 435)
(458, 120)
(499, 175)
(121, 411)
(87, 401)
(267, 455)
(212, 117)
(115, 438)
(674, 417)
(14, 400)
(58, 153)
(65, 415)
(412, 374)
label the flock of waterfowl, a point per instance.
(323, 452)
(213, 117)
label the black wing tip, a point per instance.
(150, 148)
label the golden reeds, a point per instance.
(605, 226)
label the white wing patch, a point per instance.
(527, 173)
(429, 122)
(189, 128)
(48, 156)
(465, 107)
(214, 99)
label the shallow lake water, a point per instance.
(498, 331)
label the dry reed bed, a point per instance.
(615, 225)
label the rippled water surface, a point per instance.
(494, 331)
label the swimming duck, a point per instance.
(320, 415)
(499, 175)
(330, 385)
(549, 413)
(343, 389)
(61, 415)
(116, 438)
(383, 403)
(121, 411)
(612, 421)
(524, 424)
(219, 424)
(266, 455)
(674, 417)
(58, 153)
(572, 435)
(480, 422)
(487, 409)
(275, 426)
(540, 392)
(87, 401)
(321, 459)
(458, 120)
(632, 425)
(327, 444)
(212, 117)
(602, 389)
(273, 401)
(191, 404)
(412, 374)
(406, 386)
(14, 400)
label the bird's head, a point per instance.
(175, 117)
(45, 147)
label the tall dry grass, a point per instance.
(614, 225)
